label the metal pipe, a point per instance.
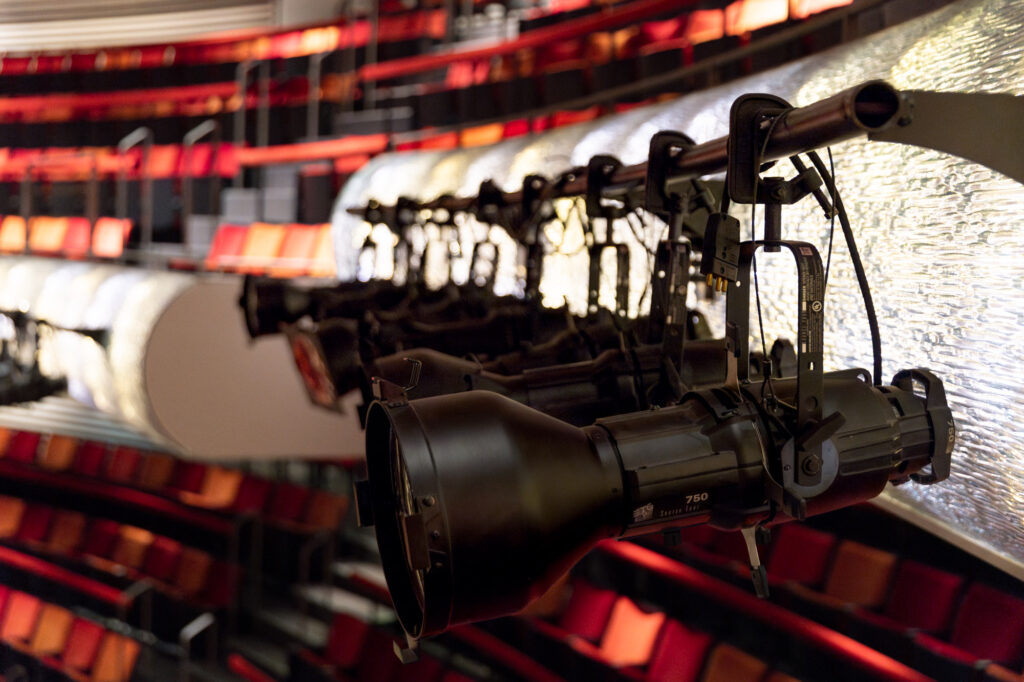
(370, 87)
(238, 132)
(870, 107)
(313, 75)
(144, 136)
(263, 112)
(208, 127)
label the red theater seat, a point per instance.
(800, 553)
(990, 624)
(288, 502)
(155, 471)
(101, 538)
(23, 447)
(193, 570)
(66, 532)
(377, 660)
(82, 645)
(89, 458)
(252, 495)
(35, 523)
(162, 559)
(297, 251)
(346, 641)
(219, 489)
(678, 655)
(923, 597)
(122, 464)
(188, 476)
(226, 248)
(78, 238)
(588, 611)
(20, 617)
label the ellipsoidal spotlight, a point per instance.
(480, 503)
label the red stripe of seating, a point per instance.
(311, 151)
(632, 13)
(503, 653)
(108, 491)
(868, 660)
(119, 97)
(63, 576)
(247, 670)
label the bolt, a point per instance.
(436, 534)
(811, 466)
(428, 501)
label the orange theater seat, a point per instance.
(220, 488)
(297, 251)
(11, 511)
(860, 574)
(156, 471)
(631, 633)
(12, 234)
(20, 618)
(66, 531)
(131, 547)
(588, 611)
(77, 239)
(729, 664)
(110, 236)
(58, 453)
(51, 634)
(193, 570)
(262, 244)
(325, 510)
(116, 659)
(46, 235)
(226, 248)
(324, 264)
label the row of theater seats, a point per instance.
(63, 460)
(52, 641)
(356, 650)
(74, 238)
(276, 250)
(182, 573)
(934, 620)
(603, 635)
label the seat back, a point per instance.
(800, 553)
(588, 611)
(324, 263)
(629, 638)
(346, 640)
(990, 624)
(116, 659)
(11, 511)
(82, 645)
(155, 471)
(193, 570)
(66, 531)
(162, 558)
(35, 523)
(252, 495)
(52, 631)
(131, 546)
(101, 537)
(288, 501)
(46, 234)
(20, 617)
(860, 574)
(220, 486)
(12, 234)
(325, 510)
(23, 446)
(122, 464)
(923, 597)
(78, 238)
(58, 453)
(109, 237)
(89, 458)
(297, 251)
(262, 244)
(729, 664)
(226, 247)
(678, 655)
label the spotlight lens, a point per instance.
(314, 372)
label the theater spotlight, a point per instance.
(480, 503)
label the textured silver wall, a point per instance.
(940, 236)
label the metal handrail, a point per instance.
(140, 136)
(209, 127)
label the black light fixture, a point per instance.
(480, 503)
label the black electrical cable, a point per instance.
(858, 266)
(832, 217)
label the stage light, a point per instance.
(480, 503)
